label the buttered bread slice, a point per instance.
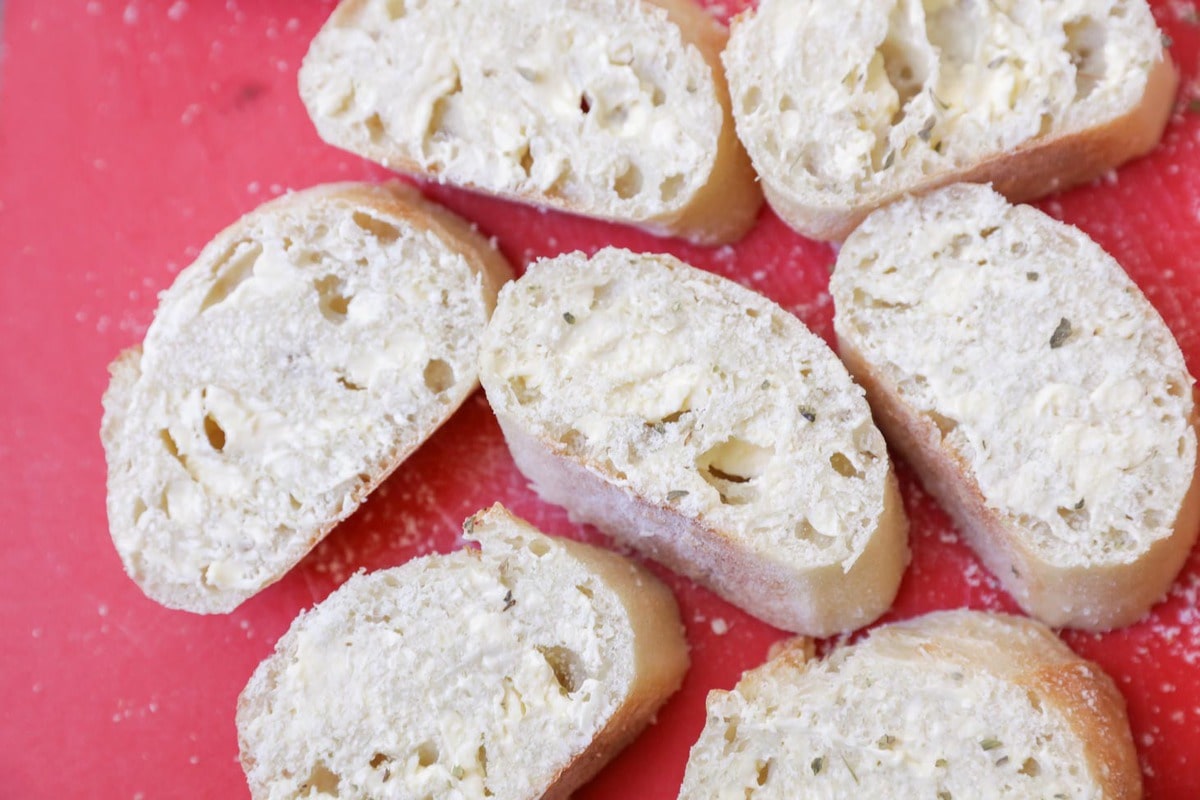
(608, 108)
(310, 348)
(514, 670)
(845, 106)
(1036, 392)
(949, 706)
(703, 425)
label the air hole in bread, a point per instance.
(320, 781)
(481, 760)
(172, 448)
(1085, 46)
(383, 231)
(231, 270)
(331, 299)
(539, 547)
(842, 466)
(731, 731)
(294, 502)
(1174, 388)
(944, 424)
(395, 9)
(348, 384)
(139, 508)
(751, 100)
(674, 416)
(526, 161)
(214, 433)
(629, 183)
(669, 189)
(375, 129)
(585, 590)
(898, 65)
(763, 772)
(566, 666)
(427, 754)
(439, 376)
(380, 760)
(730, 466)
(522, 392)
(658, 97)
(1031, 767)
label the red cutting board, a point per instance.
(131, 131)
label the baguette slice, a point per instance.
(512, 671)
(615, 109)
(700, 423)
(310, 348)
(957, 704)
(1036, 392)
(847, 106)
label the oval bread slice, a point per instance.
(516, 670)
(1036, 392)
(310, 348)
(703, 425)
(845, 107)
(957, 704)
(609, 108)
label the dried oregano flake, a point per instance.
(569, 317)
(818, 764)
(990, 744)
(676, 494)
(1061, 334)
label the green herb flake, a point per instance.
(1079, 506)
(1000, 762)
(808, 413)
(569, 317)
(941, 762)
(927, 129)
(1031, 276)
(996, 62)
(676, 494)
(1167, 41)
(885, 742)
(1061, 334)
(944, 795)
(765, 385)
(818, 764)
(850, 769)
(1193, 105)
(469, 524)
(459, 773)
(990, 744)
(889, 159)
(509, 602)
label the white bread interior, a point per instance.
(952, 705)
(309, 349)
(845, 106)
(1036, 391)
(700, 423)
(512, 670)
(608, 108)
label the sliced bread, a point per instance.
(515, 670)
(700, 423)
(608, 108)
(310, 348)
(844, 107)
(1036, 392)
(952, 705)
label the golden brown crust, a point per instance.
(1091, 598)
(722, 211)
(819, 601)
(1035, 169)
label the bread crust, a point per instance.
(390, 200)
(1091, 598)
(722, 211)
(819, 601)
(1036, 168)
